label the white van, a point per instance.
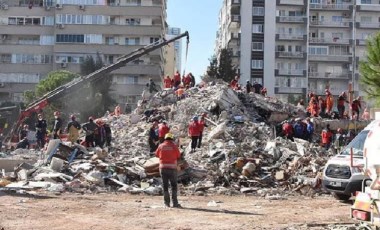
(343, 177)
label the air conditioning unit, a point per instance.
(47, 8)
(5, 7)
(63, 65)
(81, 7)
(58, 6)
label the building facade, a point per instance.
(293, 47)
(174, 31)
(39, 36)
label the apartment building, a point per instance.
(296, 46)
(174, 31)
(39, 36)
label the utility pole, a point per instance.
(352, 84)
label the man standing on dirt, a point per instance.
(168, 153)
(41, 128)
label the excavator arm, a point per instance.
(78, 83)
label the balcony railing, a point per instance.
(235, 2)
(235, 18)
(291, 36)
(284, 54)
(291, 2)
(335, 40)
(328, 75)
(345, 23)
(291, 18)
(369, 7)
(331, 6)
(369, 25)
(290, 72)
(332, 58)
(291, 90)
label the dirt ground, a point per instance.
(124, 211)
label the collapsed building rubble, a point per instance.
(241, 153)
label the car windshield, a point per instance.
(357, 144)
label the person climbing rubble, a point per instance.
(313, 107)
(57, 125)
(23, 144)
(329, 102)
(152, 86)
(248, 87)
(257, 87)
(194, 132)
(326, 137)
(168, 82)
(342, 99)
(356, 106)
(89, 129)
(163, 129)
(192, 83)
(153, 137)
(180, 93)
(186, 81)
(234, 82)
(168, 153)
(177, 79)
(41, 131)
(100, 133)
(73, 128)
(264, 92)
(202, 125)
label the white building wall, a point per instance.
(269, 45)
(246, 41)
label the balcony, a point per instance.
(289, 90)
(330, 58)
(235, 2)
(361, 42)
(235, 18)
(284, 54)
(233, 37)
(292, 2)
(331, 6)
(336, 40)
(368, 25)
(298, 37)
(290, 72)
(292, 19)
(368, 7)
(324, 23)
(328, 75)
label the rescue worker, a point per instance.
(257, 86)
(356, 106)
(194, 132)
(322, 105)
(57, 125)
(314, 107)
(152, 86)
(187, 81)
(329, 101)
(168, 153)
(248, 87)
(202, 125)
(192, 83)
(177, 79)
(23, 132)
(234, 82)
(153, 137)
(73, 128)
(23, 144)
(163, 129)
(264, 92)
(89, 129)
(326, 136)
(41, 130)
(167, 82)
(180, 92)
(99, 134)
(298, 128)
(340, 106)
(338, 140)
(108, 131)
(309, 130)
(287, 130)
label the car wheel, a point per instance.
(342, 197)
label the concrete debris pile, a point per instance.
(240, 153)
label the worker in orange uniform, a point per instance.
(322, 105)
(194, 132)
(341, 108)
(329, 101)
(177, 79)
(163, 129)
(180, 93)
(314, 107)
(326, 136)
(167, 82)
(202, 125)
(168, 153)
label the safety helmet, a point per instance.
(195, 118)
(90, 118)
(169, 136)
(56, 113)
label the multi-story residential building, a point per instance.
(296, 46)
(39, 36)
(177, 47)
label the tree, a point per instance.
(212, 69)
(226, 70)
(370, 69)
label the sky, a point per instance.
(200, 18)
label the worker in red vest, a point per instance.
(202, 125)
(167, 82)
(356, 106)
(177, 79)
(163, 129)
(287, 130)
(168, 153)
(194, 132)
(326, 136)
(234, 82)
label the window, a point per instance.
(366, 1)
(110, 40)
(153, 40)
(132, 41)
(24, 21)
(257, 46)
(365, 19)
(132, 21)
(132, 80)
(69, 58)
(5, 58)
(280, 48)
(257, 28)
(299, 49)
(318, 50)
(257, 64)
(258, 11)
(336, 18)
(70, 38)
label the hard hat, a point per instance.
(169, 136)
(90, 118)
(195, 118)
(56, 113)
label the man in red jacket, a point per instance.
(163, 129)
(287, 130)
(202, 125)
(168, 153)
(177, 79)
(194, 132)
(167, 82)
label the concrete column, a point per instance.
(269, 45)
(245, 41)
